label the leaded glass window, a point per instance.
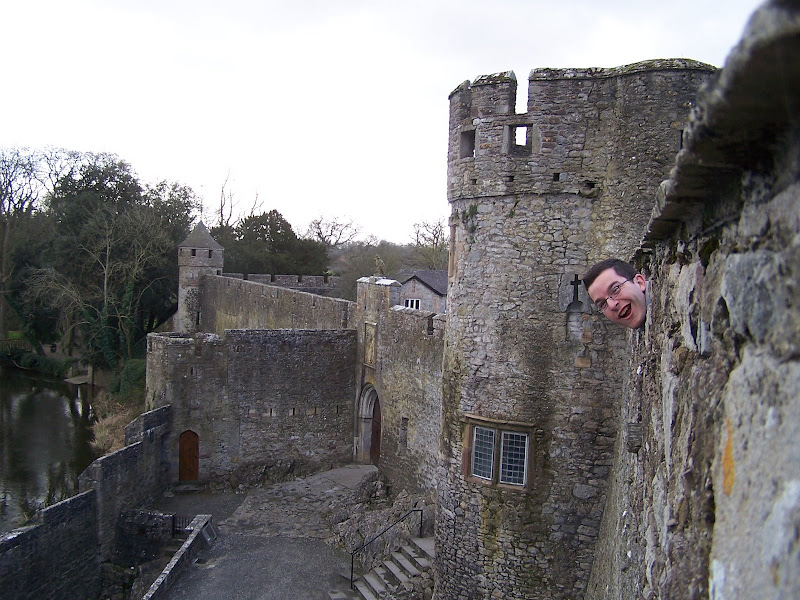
(483, 453)
(513, 457)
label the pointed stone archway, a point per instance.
(188, 456)
(369, 426)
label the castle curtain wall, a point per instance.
(265, 404)
(705, 499)
(230, 303)
(524, 355)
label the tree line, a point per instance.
(88, 251)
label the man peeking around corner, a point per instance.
(618, 291)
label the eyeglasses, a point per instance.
(613, 292)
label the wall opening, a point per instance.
(467, 146)
(521, 101)
(520, 135)
(518, 140)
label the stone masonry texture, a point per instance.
(522, 344)
(709, 505)
(55, 558)
(266, 404)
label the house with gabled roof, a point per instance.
(423, 290)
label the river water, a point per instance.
(44, 443)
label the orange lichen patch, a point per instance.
(728, 468)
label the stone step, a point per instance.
(405, 564)
(364, 591)
(385, 577)
(426, 546)
(375, 584)
(414, 557)
(397, 573)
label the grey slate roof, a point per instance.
(200, 238)
(436, 280)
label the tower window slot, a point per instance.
(467, 149)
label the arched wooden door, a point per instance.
(189, 456)
(375, 440)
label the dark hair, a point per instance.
(621, 267)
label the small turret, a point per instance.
(198, 255)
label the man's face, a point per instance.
(629, 308)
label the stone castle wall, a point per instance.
(131, 477)
(59, 556)
(323, 285)
(229, 303)
(412, 380)
(523, 350)
(56, 558)
(266, 404)
(407, 377)
(705, 498)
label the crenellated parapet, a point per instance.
(601, 134)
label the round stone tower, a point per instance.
(531, 373)
(198, 255)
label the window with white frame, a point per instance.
(499, 455)
(412, 303)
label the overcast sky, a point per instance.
(333, 108)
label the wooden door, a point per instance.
(375, 440)
(189, 456)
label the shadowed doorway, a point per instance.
(189, 456)
(375, 439)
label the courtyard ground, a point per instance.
(274, 542)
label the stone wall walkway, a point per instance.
(273, 541)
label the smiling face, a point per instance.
(629, 308)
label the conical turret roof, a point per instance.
(200, 238)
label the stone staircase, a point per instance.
(395, 574)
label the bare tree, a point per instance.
(431, 244)
(332, 232)
(226, 204)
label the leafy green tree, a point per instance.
(266, 243)
(176, 207)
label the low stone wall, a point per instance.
(57, 557)
(130, 477)
(201, 537)
(142, 536)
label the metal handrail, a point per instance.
(362, 546)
